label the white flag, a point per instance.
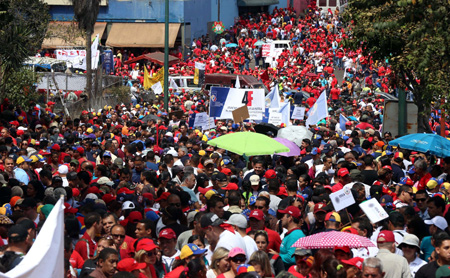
(238, 84)
(318, 111)
(173, 84)
(157, 88)
(95, 53)
(46, 256)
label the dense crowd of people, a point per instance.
(146, 196)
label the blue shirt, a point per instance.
(286, 249)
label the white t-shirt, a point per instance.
(169, 260)
(250, 247)
(229, 240)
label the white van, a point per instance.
(281, 45)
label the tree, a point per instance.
(86, 12)
(23, 24)
(414, 35)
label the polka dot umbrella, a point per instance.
(333, 239)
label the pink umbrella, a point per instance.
(328, 240)
(293, 148)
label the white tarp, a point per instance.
(46, 256)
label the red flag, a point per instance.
(265, 75)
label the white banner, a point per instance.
(298, 113)
(225, 100)
(46, 256)
(76, 58)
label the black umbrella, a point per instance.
(150, 117)
(265, 128)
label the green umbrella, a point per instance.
(248, 143)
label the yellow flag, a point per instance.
(157, 77)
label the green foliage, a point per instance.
(22, 29)
(19, 86)
(414, 35)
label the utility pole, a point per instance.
(218, 10)
(166, 57)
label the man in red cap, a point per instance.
(343, 178)
(394, 266)
(291, 220)
(167, 243)
(130, 265)
(256, 223)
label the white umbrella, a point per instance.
(295, 134)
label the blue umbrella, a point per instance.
(231, 45)
(258, 43)
(424, 142)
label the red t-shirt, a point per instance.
(294, 272)
(274, 239)
(82, 247)
(127, 249)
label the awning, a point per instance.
(155, 57)
(141, 34)
(253, 3)
(66, 34)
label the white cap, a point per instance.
(173, 152)
(128, 205)
(63, 169)
(169, 134)
(438, 221)
(254, 179)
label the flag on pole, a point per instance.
(199, 73)
(318, 111)
(238, 83)
(342, 121)
(285, 111)
(157, 77)
(173, 84)
(273, 98)
(46, 256)
(95, 53)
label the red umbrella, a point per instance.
(328, 240)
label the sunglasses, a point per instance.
(421, 200)
(238, 259)
(175, 204)
(118, 236)
(260, 207)
(154, 253)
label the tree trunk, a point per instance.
(89, 69)
(423, 116)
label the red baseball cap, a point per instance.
(257, 214)
(80, 150)
(344, 249)
(319, 207)
(227, 171)
(163, 196)
(146, 244)
(108, 198)
(343, 172)
(125, 190)
(356, 261)
(148, 196)
(56, 147)
(134, 217)
(292, 211)
(76, 192)
(231, 186)
(385, 236)
(167, 233)
(270, 174)
(129, 265)
(93, 189)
